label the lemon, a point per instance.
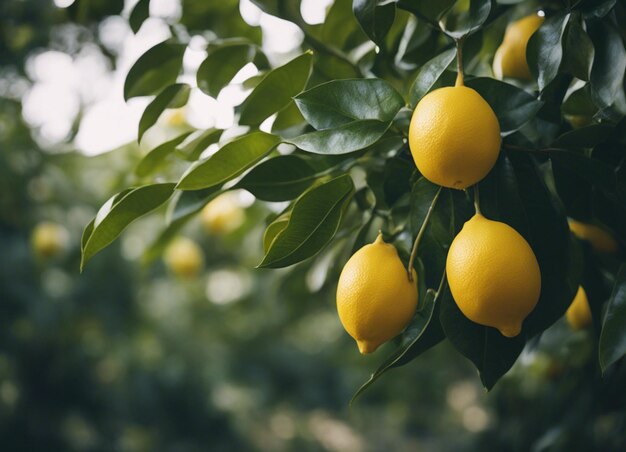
(222, 215)
(49, 239)
(493, 275)
(599, 239)
(375, 298)
(578, 315)
(578, 121)
(454, 137)
(184, 257)
(510, 58)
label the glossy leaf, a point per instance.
(613, 335)
(579, 51)
(545, 49)
(229, 162)
(115, 216)
(195, 144)
(343, 139)
(174, 96)
(276, 90)
(607, 74)
(584, 137)
(313, 222)
(273, 229)
(281, 178)
(430, 72)
(375, 17)
(153, 159)
(186, 203)
(513, 106)
(222, 64)
(340, 102)
(139, 14)
(154, 70)
(459, 22)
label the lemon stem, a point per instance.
(477, 200)
(459, 63)
(420, 234)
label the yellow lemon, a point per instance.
(493, 275)
(184, 257)
(510, 58)
(600, 239)
(222, 215)
(578, 121)
(49, 239)
(375, 298)
(578, 315)
(454, 137)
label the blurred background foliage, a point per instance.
(133, 357)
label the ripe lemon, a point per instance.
(375, 298)
(454, 137)
(510, 58)
(493, 275)
(222, 215)
(600, 239)
(578, 315)
(184, 257)
(49, 239)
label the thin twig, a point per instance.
(459, 62)
(477, 200)
(418, 239)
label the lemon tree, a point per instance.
(483, 139)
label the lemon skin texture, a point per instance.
(510, 58)
(578, 315)
(454, 137)
(599, 239)
(375, 299)
(184, 258)
(49, 239)
(493, 275)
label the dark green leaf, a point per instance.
(545, 49)
(427, 10)
(229, 162)
(276, 90)
(281, 178)
(195, 144)
(273, 229)
(513, 106)
(154, 70)
(313, 222)
(375, 17)
(140, 12)
(429, 74)
(174, 96)
(607, 74)
(222, 64)
(343, 139)
(115, 215)
(153, 159)
(613, 336)
(578, 51)
(458, 21)
(340, 102)
(585, 137)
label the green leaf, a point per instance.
(340, 102)
(409, 338)
(313, 222)
(222, 64)
(461, 21)
(584, 137)
(578, 51)
(492, 354)
(513, 106)
(545, 49)
(375, 17)
(174, 96)
(281, 178)
(119, 212)
(343, 139)
(589, 169)
(427, 10)
(607, 74)
(289, 121)
(195, 144)
(428, 75)
(139, 14)
(186, 203)
(153, 159)
(613, 335)
(154, 70)
(276, 90)
(273, 229)
(229, 162)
